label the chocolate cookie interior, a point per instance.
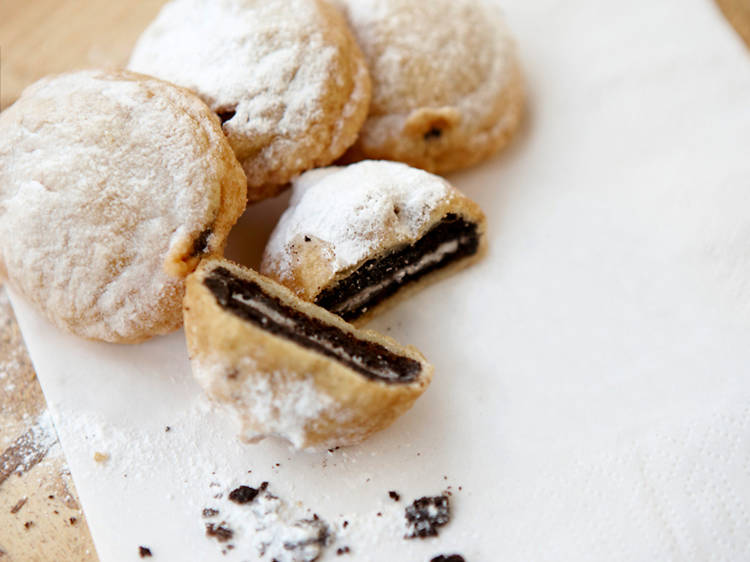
(450, 240)
(248, 300)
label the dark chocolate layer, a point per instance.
(391, 272)
(247, 300)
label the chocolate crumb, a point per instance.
(51, 497)
(56, 512)
(73, 520)
(394, 495)
(319, 535)
(219, 532)
(144, 552)
(433, 133)
(346, 524)
(426, 514)
(28, 525)
(245, 494)
(448, 558)
(307, 239)
(225, 116)
(166, 429)
(200, 245)
(210, 512)
(19, 504)
(343, 550)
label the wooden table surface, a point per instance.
(40, 517)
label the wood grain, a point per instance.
(40, 517)
(738, 14)
(51, 36)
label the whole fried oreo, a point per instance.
(112, 186)
(447, 88)
(285, 76)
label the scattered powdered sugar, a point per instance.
(247, 520)
(351, 210)
(37, 442)
(269, 527)
(230, 508)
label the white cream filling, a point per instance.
(357, 300)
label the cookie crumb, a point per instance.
(144, 552)
(448, 558)
(394, 495)
(426, 514)
(246, 494)
(210, 512)
(100, 457)
(219, 532)
(19, 504)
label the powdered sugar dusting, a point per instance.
(454, 59)
(280, 404)
(271, 68)
(99, 202)
(349, 210)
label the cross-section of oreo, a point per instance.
(290, 368)
(357, 239)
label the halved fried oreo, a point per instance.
(290, 368)
(357, 239)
